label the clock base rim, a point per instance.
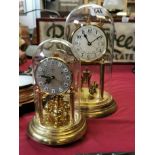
(60, 136)
(100, 108)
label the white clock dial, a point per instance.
(89, 43)
(53, 76)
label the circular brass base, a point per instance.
(56, 136)
(99, 108)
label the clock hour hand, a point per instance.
(95, 39)
(48, 78)
(89, 43)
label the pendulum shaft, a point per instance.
(102, 79)
(72, 105)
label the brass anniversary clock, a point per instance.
(90, 29)
(58, 119)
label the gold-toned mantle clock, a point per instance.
(90, 29)
(57, 119)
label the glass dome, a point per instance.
(90, 29)
(56, 94)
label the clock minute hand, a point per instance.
(50, 77)
(95, 39)
(45, 76)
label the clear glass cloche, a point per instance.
(56, 74)
(90, 29)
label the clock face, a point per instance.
(53, 76)
(89, 43)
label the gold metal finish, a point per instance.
(95, 102)
(57, 136)
(58, 119)
(56, 112)
(96, 106)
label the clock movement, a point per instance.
(90, 29)
(57, 119)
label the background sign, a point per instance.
(124, 44)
